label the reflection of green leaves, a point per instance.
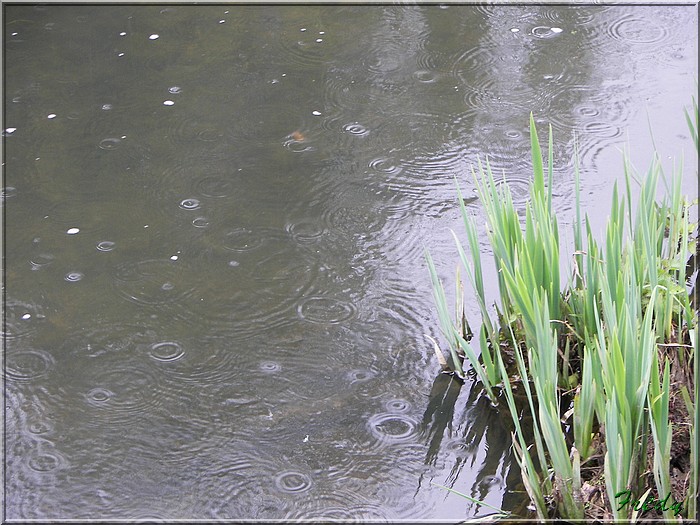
(473, 500)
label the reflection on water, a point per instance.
(216, 295)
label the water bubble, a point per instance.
(123, 33)
(107, 107)
(9, 131)
(200, 222)
(166, 287)
(26, 316)
(233, 264)
(154, 37)
(166, 351)
(293, 482)
(168, 103)
(51, 115)
(73, 277)
(72, 231)
(514, 30)
(189, 204)
(556, 30)
(316, 113)
(105, 246)
(319, 40)
(175, 90)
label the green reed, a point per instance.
(596, 338)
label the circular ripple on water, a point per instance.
(384, 165)
(305, 230)
(355, 128)
(270, 367)
(200, 175)
(637, 29)
(215, 186)
(474, 61)
(343, 93)
(601, 130)
(360, 375)
(122, 392)
(103, 336)
(190, 203)
(545, 32)
(267, 273)
(519, 189)
(260, 124)
(72, 212)
(242, 240)
(293, 482)
(299, 50)
(391, 428)
(98, 396)
(189, 132)
(425, 76)
(490, 482)
(73, 277)
(325, 310)
(21, 319)
(398, 405)
(105, 246)
(40, 428)
(6, 193)
(26, 365)
(342, 504)
(153, 282)
(166, 351)
(44, 462)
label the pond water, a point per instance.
(216, 297)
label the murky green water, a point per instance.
(216, 299)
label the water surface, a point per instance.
(216, 298)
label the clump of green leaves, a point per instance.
(622, 299)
